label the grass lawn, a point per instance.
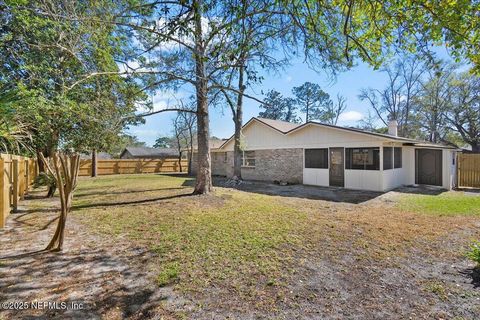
(444, 204)
(232, 239)
(244, 254)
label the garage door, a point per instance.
(428, 167)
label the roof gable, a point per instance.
(287, 128)
(282, 126)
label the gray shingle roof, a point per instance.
(280, 125)
(100, 155)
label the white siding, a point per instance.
(449, 169)
(364, 179)
(409, 165)
(393, 178)
(316, 177)
(258, 136)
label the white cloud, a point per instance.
(288, 79)
(351, 116)
(164, 99)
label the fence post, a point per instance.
(15, 185)
(27, 174)
(21, 177)
(4, 194)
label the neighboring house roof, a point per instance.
(214, 144)
(288, 127)
(145, 152)
(100, 155)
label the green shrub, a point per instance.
(474, 252)
(46, 179)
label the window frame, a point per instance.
(349, 154)
(326, 162)
(246, 159)
(395, 152)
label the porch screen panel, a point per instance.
(362, 158)
(397, 157)
(387, 158)
(316, 158)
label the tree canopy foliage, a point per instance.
(309, 99)
(81, 67)
(44, 60)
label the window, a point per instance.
(387, 158)
(248, 158)
(362, 158)
(397, 157)
(225, 157)
(215, 155)
(316, 158)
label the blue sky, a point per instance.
(221, 125)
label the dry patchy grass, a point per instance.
(239, 247)
(241, 241)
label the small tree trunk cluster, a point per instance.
(65, 169)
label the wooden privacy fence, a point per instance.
(125, 166)
(16, 176)
(468, 170)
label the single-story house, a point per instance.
(148, 153)
(326, 155)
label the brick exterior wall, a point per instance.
(276, 164)
(270, 165)
(219, 166)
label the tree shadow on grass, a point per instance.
(101, 281)
(45, 226)
(474, 274)
(20, 213)
(421, 190)
(101, 193)
(175, 175)
(300, 191)
(127, 203)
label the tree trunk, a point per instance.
(66, 173)
(307, 116)
(48, 153)
(238, 120)
(94, 163)
(180, 161)
(190, 151)
(204, 173)
(41, 167)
